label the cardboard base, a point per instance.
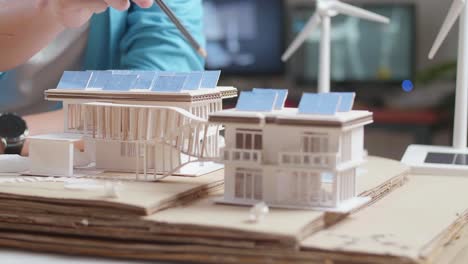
(175, 219)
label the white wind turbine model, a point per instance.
(449, 160)
(325, 10)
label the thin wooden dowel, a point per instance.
(204, 141)
(155, 176)
(145, 161)
(137, 175)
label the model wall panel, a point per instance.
(358, 144)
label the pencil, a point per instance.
(200, 50)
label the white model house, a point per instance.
(153, 123)
(289, 157)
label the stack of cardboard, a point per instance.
(409, 219)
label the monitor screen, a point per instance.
(244, 36)
(361, 51)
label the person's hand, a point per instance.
(74, 13)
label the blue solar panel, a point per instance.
(144, 80)
(99, 79)
(169, 83)
(120, 82)
(309, 103)
(320, 104)
(250, 101)
(329, 103)
(210, 79)
(347, 101)
(74, 80)
(282, 94)
(181, 74)
(193, 81)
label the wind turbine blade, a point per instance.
(358, 12)
(455, 10)
(308, 29)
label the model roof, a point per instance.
(291, 116)
(156, 81)
(267, 100)
(140, 86)
(328, 109)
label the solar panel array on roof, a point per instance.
(257, 102)
(326, 104)
(125, 80)
(281, 99)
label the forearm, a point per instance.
(26, 27)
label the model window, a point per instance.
(249, 184)
(249, 139)
(303, 188)
(316, 143)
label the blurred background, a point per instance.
(247, 37)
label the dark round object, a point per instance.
(11, 126)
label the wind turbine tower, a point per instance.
(326, 9)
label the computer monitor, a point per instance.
(244, 36)
(362, 52)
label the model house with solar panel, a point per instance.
(151, 123)
(304, 157)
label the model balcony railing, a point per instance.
(306, 159)
(242, 155)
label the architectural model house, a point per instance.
(133, 121)
(289, 157)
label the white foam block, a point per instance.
(13, 164)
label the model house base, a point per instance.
(153, 124)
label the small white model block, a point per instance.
(53, 154)
(287, 158)
(13, 163)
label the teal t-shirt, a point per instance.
(140, 39)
